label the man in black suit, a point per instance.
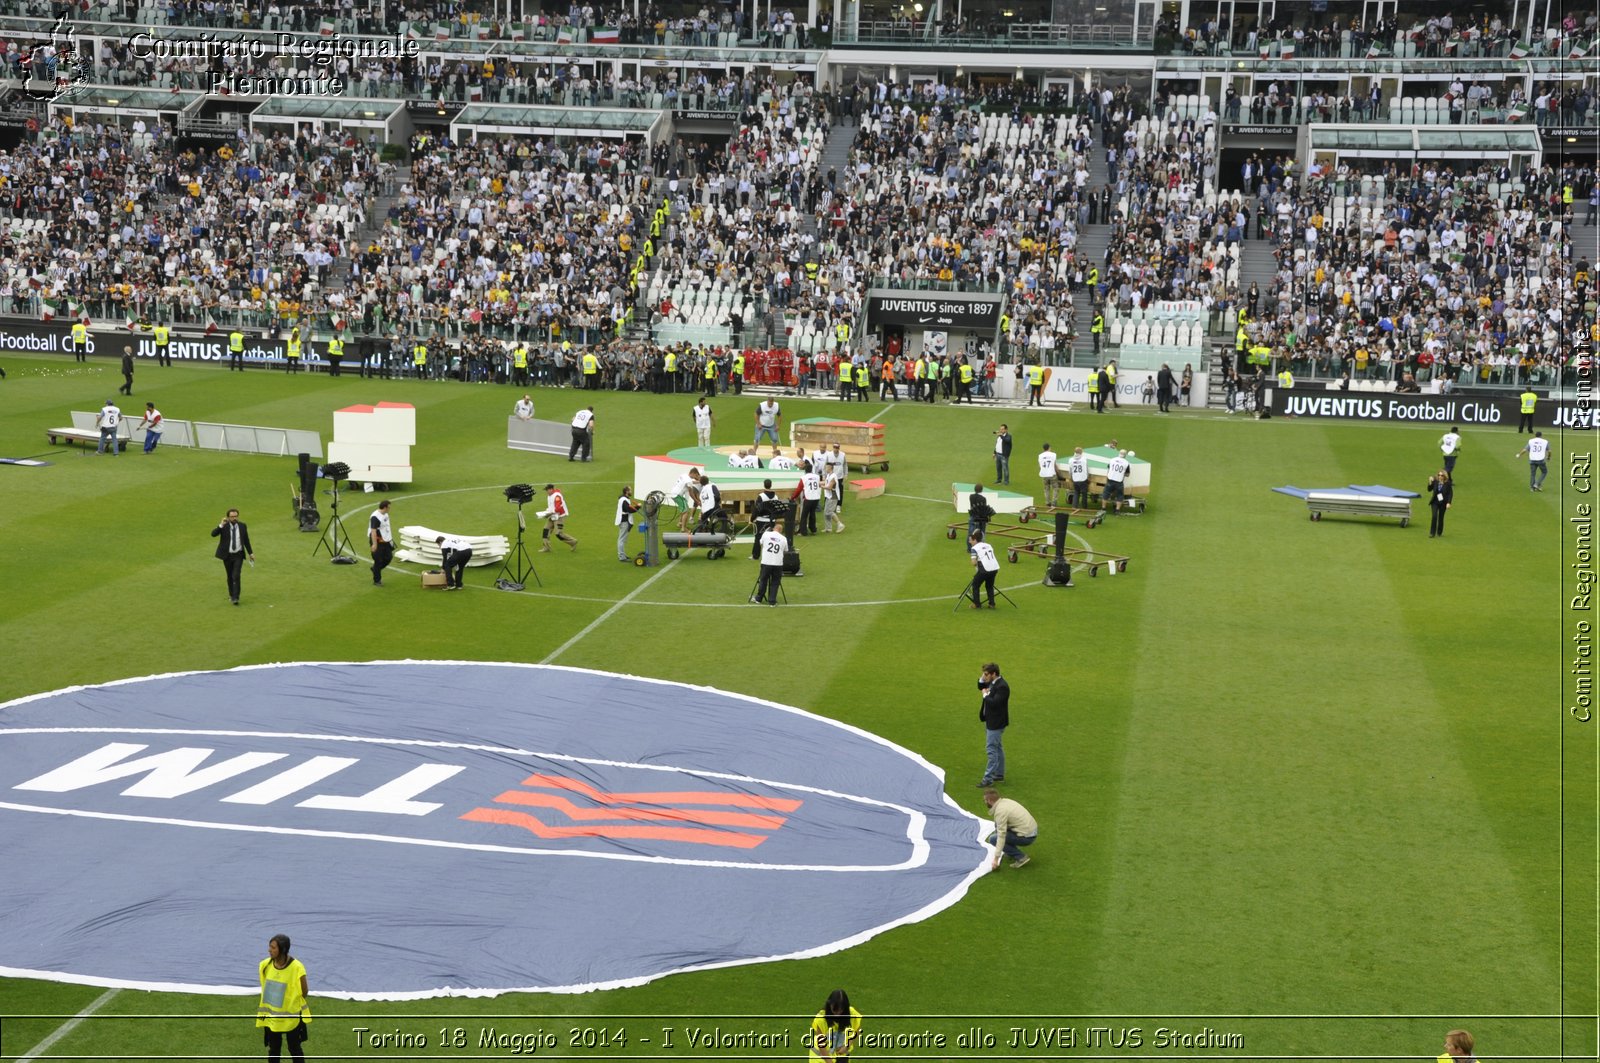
(1166, 390)
(233, 547)
(995, 713)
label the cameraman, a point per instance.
(979, 512)
(987, 566)
(766, 516)
(773, 546)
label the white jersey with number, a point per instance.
(773, 545)
(1117, 470)
(702, 417)
(812, 486)
(1538, 448)
(1078, 468)
(1047, 464)
(985, 555)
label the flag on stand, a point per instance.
(1288, 50)
(519, 32)
(1519, 51)
(1373, 51)
(77, 311)
(474, 93)
(1578, 52)
(605, 35)
(412, 33)
(339, 324)
(481, 31)
(441, 31)
(211, 323)
(35, 283)
(564, 35)
(47, 310)
(326, 27)
(133, 323)
(1265, 50)
(1518, 112)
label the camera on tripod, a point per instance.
(518, 566)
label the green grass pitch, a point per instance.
(1315, 785)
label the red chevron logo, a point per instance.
(657, 815)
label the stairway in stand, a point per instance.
(1092, 243)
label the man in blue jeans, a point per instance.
(1002, 456)
(1013, 828)
(995, 713)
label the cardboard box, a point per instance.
(432, 580)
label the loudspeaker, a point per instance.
(1061, 535)
(1058, 573)
(791, 563)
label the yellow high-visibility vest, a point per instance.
(419, 354)
(236, 342)
(162, 334)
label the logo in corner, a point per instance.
(55, 67)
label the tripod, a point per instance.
(519, 566)
(968, 594)
(340, 537)
(783, 593)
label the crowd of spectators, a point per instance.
(121, 222)
(1467, 272)
(690, 23)
(1437, 35)
(1458, 273)
(1459, 101)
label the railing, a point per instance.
(1026, 35)
(509, 40)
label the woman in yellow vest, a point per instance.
(284, 1009)
(835, 1030)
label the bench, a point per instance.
(1350, 504)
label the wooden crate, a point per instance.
(862, 442)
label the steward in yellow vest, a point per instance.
(163, 338)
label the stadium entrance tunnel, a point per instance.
(426, 829)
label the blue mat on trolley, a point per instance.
(1353, 489)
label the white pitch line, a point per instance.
(603, 617)
(67, 1027)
